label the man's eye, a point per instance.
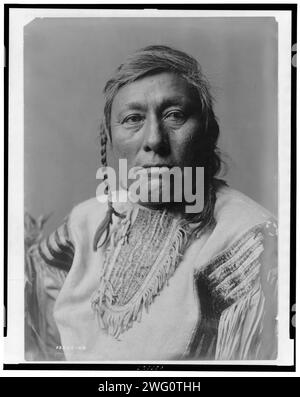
(133, 119)
(175, 116)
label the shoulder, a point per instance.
(243, 231)
(86, 216)
(231, 204)
(75, 232)
(241, 250)
(236, 214)
(87, 212)
(58, 248)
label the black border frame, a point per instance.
(159, 367)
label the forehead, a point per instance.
(155, 89)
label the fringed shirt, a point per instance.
(156, 290)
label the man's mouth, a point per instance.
(152, 170)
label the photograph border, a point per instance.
(172, 366)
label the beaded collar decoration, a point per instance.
(139, 259)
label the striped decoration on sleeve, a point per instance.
(58, 250)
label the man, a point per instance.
(125, 280)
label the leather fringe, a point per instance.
(116, 319)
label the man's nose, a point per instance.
(154, 137)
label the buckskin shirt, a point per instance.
(156, 290)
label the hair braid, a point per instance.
(104, 226)
(103, 155)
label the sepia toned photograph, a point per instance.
(151, 189)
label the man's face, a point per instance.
(155, 121)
